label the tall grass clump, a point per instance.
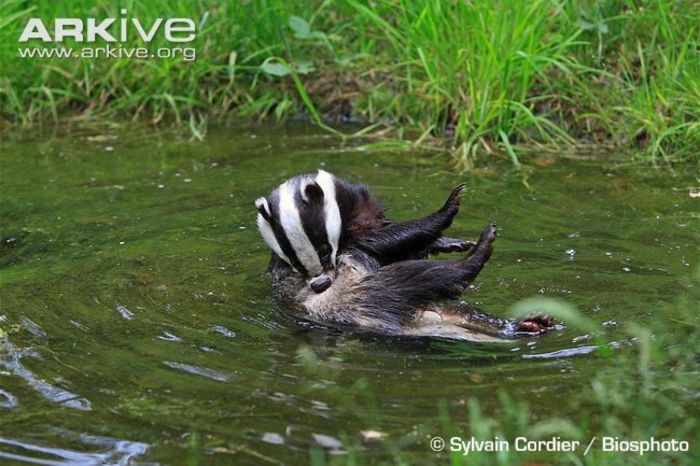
(473, 71)
(473, 77)
(233, 40)
(661, 79)
(647, 91)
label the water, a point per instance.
(140, 326)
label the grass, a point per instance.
(473, 77)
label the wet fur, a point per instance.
(385, 283)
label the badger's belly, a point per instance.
(436, 322)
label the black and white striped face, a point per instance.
(300, 221)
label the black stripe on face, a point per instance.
(281, 236)
(313, 220)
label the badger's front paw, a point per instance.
(535, 325)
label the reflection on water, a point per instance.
(203, 371)
(569, 352)
(10, 360)
(134, 302)
(112, 452)
(7, 399)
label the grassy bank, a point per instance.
(473, 77)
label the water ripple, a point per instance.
(167, 336)
(202, 371)
(7, 399)
(11, 361)
(125, 312)
(569, 352)
(32, 327)
(220, 329)
(119, 452)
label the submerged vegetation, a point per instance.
(472, 76)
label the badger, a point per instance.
(338, 260)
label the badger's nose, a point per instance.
(320, 284)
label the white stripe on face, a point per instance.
(331, 211)
(269, 237)
(291, 224)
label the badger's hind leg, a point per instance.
(397, 291)
(477, 256)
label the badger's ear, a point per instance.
(311, 191)
(263, 208)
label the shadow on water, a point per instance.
(135, 306)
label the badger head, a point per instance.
(301, 222)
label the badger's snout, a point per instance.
(320, 284)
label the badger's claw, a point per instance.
(451, 206)
(534, 325)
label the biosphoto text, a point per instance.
(92, 38)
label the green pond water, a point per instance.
(139, 325)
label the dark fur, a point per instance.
(384, 281)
